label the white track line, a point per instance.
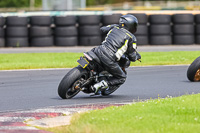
(15, 119)
(66, 111)
(17, 128)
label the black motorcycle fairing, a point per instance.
(93, 56)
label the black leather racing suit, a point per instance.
(118, 41)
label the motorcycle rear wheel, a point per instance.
(66, 87)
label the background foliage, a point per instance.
(26, 3)
(102, 2)
(18, 3)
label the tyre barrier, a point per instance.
(110, 19)
(65, 32)
(142, 32)
(17, 31)
(160, 30)
(89, 30)
(39, 31)
(2, 32)
(183, 29)
(197, 29)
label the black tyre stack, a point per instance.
(89, 30)
(17, 31)
(110, 19)
(41, 31)
(2, 32)
(183, 29)
(197, 29)
(65, 33)
(142, 31)
(160, 29)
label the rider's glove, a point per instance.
(138, 56)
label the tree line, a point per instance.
(102, 2)
(19, 3)
(38, 3)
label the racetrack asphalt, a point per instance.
(21, 90)
(25, 89)
(34, 92)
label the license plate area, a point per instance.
(83, 62)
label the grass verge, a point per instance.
(169, 115)
(68, 60)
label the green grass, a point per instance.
(169, 115)
(68, 60)
(38, 60)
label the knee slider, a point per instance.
(122, 80)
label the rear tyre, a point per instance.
(65, 88)
(193, 72)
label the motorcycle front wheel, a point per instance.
(66, 88)
(193, 72)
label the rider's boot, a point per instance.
(98, 86)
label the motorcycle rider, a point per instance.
(119, 41)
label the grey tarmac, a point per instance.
(24, 89)
(28, 91)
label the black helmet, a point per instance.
(129, 22)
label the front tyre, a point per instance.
(193, 72)
(66, 87)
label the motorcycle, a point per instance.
(193, 72)
(86, 74)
